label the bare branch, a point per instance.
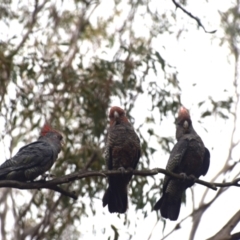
(193, 17)
(225, 232)
(38, 230)
(235, 182)
(52, 184)
(195, 214)
(29, 25)
(91, 160)
(227, 167)
(37, 185)
(3, 213)
(177, 227)
(81, 24)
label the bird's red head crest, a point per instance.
(46, 129)
(117, 114)
(183, 113)
(184, 118)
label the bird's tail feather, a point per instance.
(116, 196)
(169, 207)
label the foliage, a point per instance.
(67, 62)
(64, 62)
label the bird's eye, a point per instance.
(60, 137)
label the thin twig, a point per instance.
(193, 17)
(37, 9)
(227, 167)
(225, 231)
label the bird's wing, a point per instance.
(108, 157)
(206, 162)
(177, 155)
(34, 154)
(175, 159)
(138, 155)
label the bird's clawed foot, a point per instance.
(184, 176)
(192, 178)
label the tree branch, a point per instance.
(52, 184)
(225, 232)
(30, 25)
(194, 214)
(193, 17)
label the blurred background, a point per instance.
(69, 61)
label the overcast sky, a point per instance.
(205, 69)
